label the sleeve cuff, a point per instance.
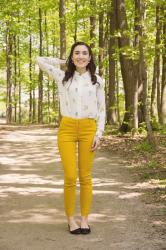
(99, 134)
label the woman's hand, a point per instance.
(63, 64)
(62, 61)
(95, 144)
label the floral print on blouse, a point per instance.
(79, 98)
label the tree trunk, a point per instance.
(15, 78)
(117, 92)
(155, 94)
(76, 22)
(93, 26)
(62, 21)
(143, 74)
(34, 106)
(48, 82)
(163, 92)
(136, 66)
(101, 43)
(62, 29)
(53, 38)
(53, 82)
(30, 73)
(19, 82)
(9, 75)
(40, 85)
(112, 115)
(126, 63)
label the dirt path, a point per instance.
(31, 195)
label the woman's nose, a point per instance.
(81, 56)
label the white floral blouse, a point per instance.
(79, 98)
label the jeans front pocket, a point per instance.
(92, 125)
(92, 122)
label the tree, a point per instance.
(155, 94)
(112, 116)
(163, 92)
(126, 62)
(40, 85)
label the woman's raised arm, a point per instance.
(51, 65)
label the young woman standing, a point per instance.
(82, 106)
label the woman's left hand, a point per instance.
(95, 144)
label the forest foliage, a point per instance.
(128, 39)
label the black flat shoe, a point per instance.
(85, 230)
(76, 231)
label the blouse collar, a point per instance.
(85, 74)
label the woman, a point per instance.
(82, 106)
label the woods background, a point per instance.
(128, 39)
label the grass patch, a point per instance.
(146, 176)
(153, 164)
(163, 130)
(145, 146)
(111, 130)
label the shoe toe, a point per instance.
(85, 230)
(76, 231)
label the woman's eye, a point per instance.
(83, 53)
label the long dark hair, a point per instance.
(71, 67)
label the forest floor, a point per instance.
(128, 209)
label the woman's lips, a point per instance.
(81, 61)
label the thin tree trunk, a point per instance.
(93, 26)
(155, 94)
(9, 75)
(30, 73)
(117, 91)
(136, 67)
(53, 82)
(62, 21)
(101, 43)
(163, 92)
(112, 115)
(53, 38)
(15, 78)
(143, 74)
(34, 106)
(19, 81)
(76, 22)
(40, 85)
(106, 36)
(48, 82)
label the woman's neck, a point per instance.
(81, 70)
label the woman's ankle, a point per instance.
(84, 219)
(70, 218)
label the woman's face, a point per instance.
(81, 56)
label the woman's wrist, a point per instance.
(62, 61)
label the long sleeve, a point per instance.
(52, 67)
(101, 108)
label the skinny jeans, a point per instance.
(75, 137)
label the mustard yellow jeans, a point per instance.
(75, 137)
